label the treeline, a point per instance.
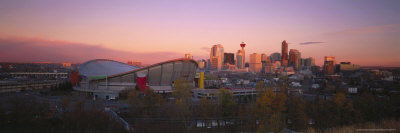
(271, 112)
(29, 114)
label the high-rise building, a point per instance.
(330, 58)
(309, 62)
(347, 66)
(294, 59)
(201, 64)
(275, 57)
(284, 53)
(240, 57)
(265, 59)
(255, 63)
(239, 60)
(217, 56)
(329, 65)
(229, 58)
(299, 60)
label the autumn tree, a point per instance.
(297, 114)
(269, 110)
(339, 99)
(150, 102)
(182, 90)
(226, 103)
(181, 112)
(260, 86)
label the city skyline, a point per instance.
(363, 33)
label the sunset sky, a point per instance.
(364, 32)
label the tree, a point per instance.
(65, 103)
(182, 90)
(150, 101)
(264, 104)
(260, 86)
(227, 105)
(296, 113)
(205, 109)
(339, 99)
(181, 112)
(366, 105)
(269, 111)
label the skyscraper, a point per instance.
(217, 56)
(201, 64)
(240, 57)
(265, 59)
(275, 57)
(329, 65)
(284, 53)
(294, 59)
(330, 58)
(255, 63)
(309, 61)
(229, 58)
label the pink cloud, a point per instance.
(369, 29)
(42, 50)
(206, 49)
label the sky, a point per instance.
(365, 32)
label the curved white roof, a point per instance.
(103, 67)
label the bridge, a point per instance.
(27, 86)
(39, 75)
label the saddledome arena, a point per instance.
(105, 79)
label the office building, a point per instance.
(347, 66)
(309, 62)
(217, 57)
(284, 53)
(329, 65)
(229, 58)
(241, 57)
(255, 63)
(294, 59)
(275, 57)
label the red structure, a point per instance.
(141, 83)
(242, 45)
(75, 78)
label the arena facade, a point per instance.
(105, 79)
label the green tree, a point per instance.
(226, 103)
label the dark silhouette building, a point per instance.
(229, 58)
